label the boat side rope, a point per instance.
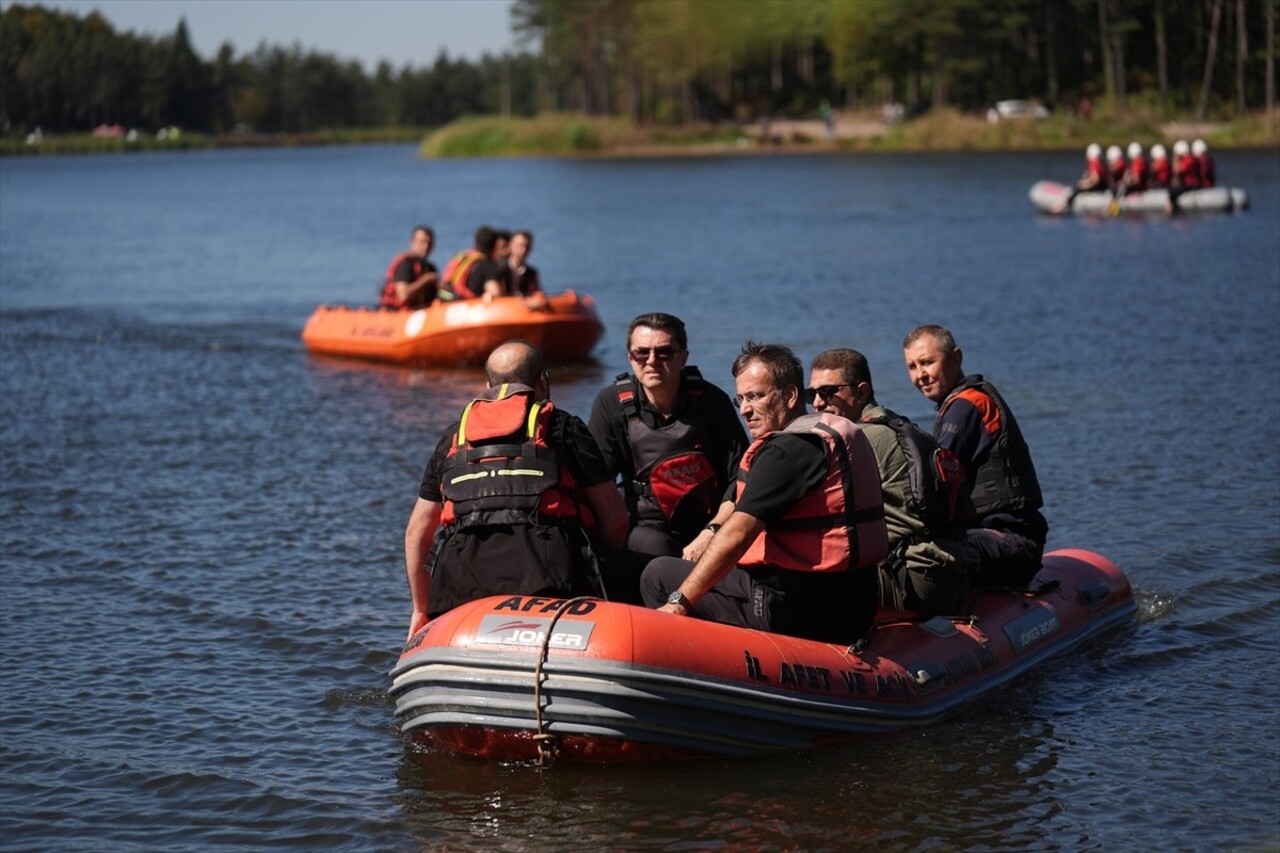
(547, 743)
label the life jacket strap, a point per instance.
(503, 451)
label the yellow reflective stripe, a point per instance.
(531, 426)
(462, 478)
(462, 424)
(521, 472)
(502, 391)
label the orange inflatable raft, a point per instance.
(521, 677)
(564, 325)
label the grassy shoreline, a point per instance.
(565, 134)
(941, 130)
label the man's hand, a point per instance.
(416, 624)
(693, 551)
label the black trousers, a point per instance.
(834, 607)
(1011, 548)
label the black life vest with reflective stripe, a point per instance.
(500, 468)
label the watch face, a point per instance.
(677, 597)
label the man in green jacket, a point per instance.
(925, 493)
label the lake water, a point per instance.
(201, 589)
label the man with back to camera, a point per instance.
(976, 424)
(477, 271)
(926, 495)
(675, 441)
(528, 531)
(798, 553)
(411, 279)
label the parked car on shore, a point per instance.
(1016, 109)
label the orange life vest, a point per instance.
(389, 298)
(836, 527)
(501, 470)
(453, 284)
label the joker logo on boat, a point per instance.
(530, 632)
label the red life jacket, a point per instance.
(1208, 171)
(501, 470)
(676, 483)
(453, 283)
(838, 526)
(1186, 170)
(1139, 176)
(1095, 174)
(1160, 172)
(1115, 172)
(389, 298)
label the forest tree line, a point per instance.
(661, 61)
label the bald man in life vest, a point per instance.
(531, 531)
(798, 553)
(976, 424)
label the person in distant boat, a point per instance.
(798, 553)
(476, 271)
(1094, 178)
(1186, 168)
(502, 248)
(976, 424)
(412, 279)
(1161, 173)
(1116, 168)
(1137, 178)
(924, 487)
(514, 498)
(1186, 174)
(524, 276)
(1208, 169)
(674, 440)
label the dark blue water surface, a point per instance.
(201, 587)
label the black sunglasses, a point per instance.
(826, 392)
(641, 354)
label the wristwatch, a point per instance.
(713, 527)
(680, 598)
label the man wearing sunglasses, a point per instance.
(798, 553)
(976, 424)
(512, 498)
(926, 495)
(673, 439)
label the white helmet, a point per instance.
(1094, 151)
(1198, 147)
(1135, 150)
(1180, 148)
(1158, 152)
(1114, 153)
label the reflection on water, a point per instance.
(910, 791)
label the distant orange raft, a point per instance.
(564, 325)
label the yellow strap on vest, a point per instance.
(462, 423)
(532, 425)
